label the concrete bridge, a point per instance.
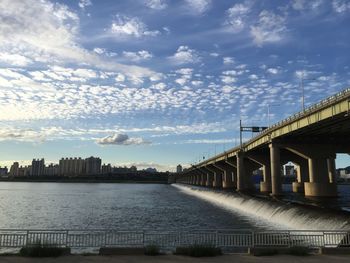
(310, 139)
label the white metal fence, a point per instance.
(225, 239)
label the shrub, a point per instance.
(152, 250)
(42, 251)
(265, 252)
(299, 251)
(199, 251)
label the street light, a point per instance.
(268, 112)
(302, 79)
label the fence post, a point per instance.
(216, 239)
(143, 238)
(253, 239)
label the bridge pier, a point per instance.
(227, 178)
(203, 177)
(264, 161)
(321, 178)
(217, 182)
(209, 177)
(302, 177)
(321, 163)
(276, 180)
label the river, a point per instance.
(134, 207)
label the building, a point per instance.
(3, 171)
(71, 166)
(179, 168)
(52, 170)
(14, 170)
(92, 166)
(290, 170)
(38, 167)
(106, 169)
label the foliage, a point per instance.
(152, 250)
(199, 251)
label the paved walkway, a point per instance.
(173, 259)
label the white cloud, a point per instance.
(84, 3)
(120, 77)
(341, 6)
(214, 54)
(185, 55)
(130, 26)
(237, 16)
(270, 28)
(53, 40)
(228, 60)
(99, 50)
(181, 81)
(121, 139)
(156, 4)
(184, 71)
(300, 5)
(14, 59)
(198, 7)
(197, 83)
(228, 79)
(273, 71)
(137, 56)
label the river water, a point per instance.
(148, 207)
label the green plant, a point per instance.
(152, 250)
(265, 252)
(299, 251)
(199, 251)
(39, 250)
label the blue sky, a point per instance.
(160, 82)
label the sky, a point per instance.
(156, 83)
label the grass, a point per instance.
(199, 251)
(152, 250)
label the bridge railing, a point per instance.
(225, 239)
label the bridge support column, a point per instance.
(264, 161)
(321, 172)
(227, 178)
(265, 186)
(276, 182)
(217, 183)
(209, 177)
(240, 171)
(203, 178)
(321, 168)
(302, 177)
(233, 165)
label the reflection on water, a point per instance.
(118, 206)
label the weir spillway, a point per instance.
(275, 214)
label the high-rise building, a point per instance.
(14, 169)
(92, 165)
(179, 168)
(106, 169)
(71, 167)
(38, 167)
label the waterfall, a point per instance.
(273, 213)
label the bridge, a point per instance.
(309, 139)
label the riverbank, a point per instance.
(174, 259)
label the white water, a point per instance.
(275, 214)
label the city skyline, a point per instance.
(155, 83)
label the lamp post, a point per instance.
(268, 112)
(302, 79)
